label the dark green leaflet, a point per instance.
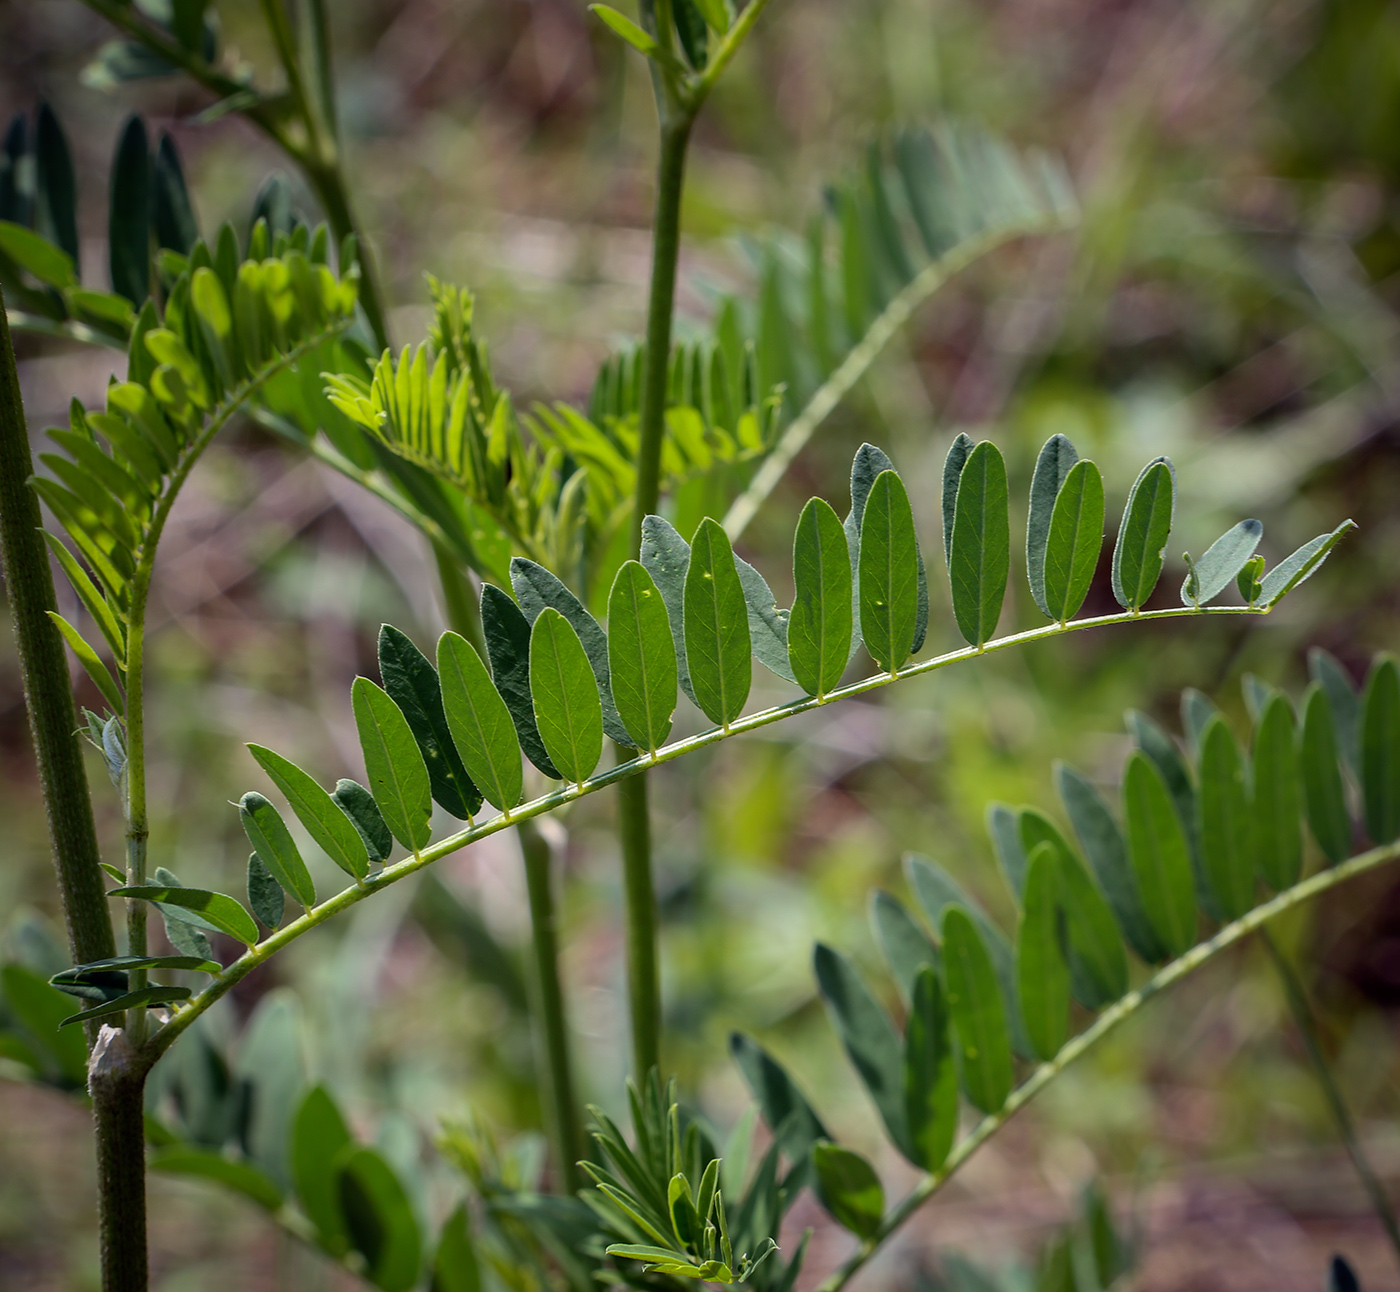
(1323, 791)
(930, 1073)
(171, 210)
(787, 1112)
(1380, 750)
(717, 642)
(1159, 854)
(666, 556)
(1074, 541)
(641, 656)
(953, 465)
(906, 946)
(319, 1135)
(272, 841)
(146, 996)
(1226, 821)
(567, 706)
(358, 804)
(537, 587)
(55, 185)
(379, 1219)
(1331, 675)
(979, 1017)
(849, 1189)
(980, 554)
(819, 628)
(1042, 970)
(1278, 795)
(265, 895)
(1052, 468)
(870, 1039)
(198, 906)
(129, 214)
(866, 467)
(412, 683)
(889, 573)
(398, 777)
(480, 724)
(1302, 565)
(1097, 960)
(507, 633)
(455, 1266)
(1223, 560)
(324, 819)
(1143, 534)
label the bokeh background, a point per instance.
(1229, 298)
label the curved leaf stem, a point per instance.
(255, 956)
(1106, 1022)
(850, 370)
(1312, 1041)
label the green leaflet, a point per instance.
(1143, 534)
(1323, 791)
(1004, 827)
(358, 804)
(197, 906)
(866, 467)
(1042, 970)
(129, 214)
(1159, 854)
(788, 1114)
(398, 777)
(953, 465)
(1331, 675)
(480, 723)
(980, 551)
(507, 633)
(205, 1164)
(1097, 960)
(1380, 750)
(319, 1135)
(92, 599)
(717, 642)
(1052, 468)
(1223, 560)
(1226, 821)
(265, 895)
(537, 588)
(820, 626)
(567, 706)
(323, 818)
(627, 29)
(1301, 565)
(889, 573)
(869, 1037)
(849, 1188)
(768, 625)
(379, 1218)
(641, 656)
(131, 1000)
(979, 1017)
(125, 964)
(666, 556)
(1196, 712)
(930, 1073)
(55, 184)
(455, 1266)
(92, 666)
(906, 946)
(413, 684)
(1278, 795)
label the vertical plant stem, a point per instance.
(643, 980)
(551, 1022)
(44, 670)
(460, 607)
(1312, 1041)
(117, 1083)
(328, 180)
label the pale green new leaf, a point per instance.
(1223, 560)
(92, 665)
(1301, 565)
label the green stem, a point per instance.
(356, 893)
(553, 1031)
(1108, 1021)
(459, 603)
(643, 979)
(48, 691)
(1341, 1115)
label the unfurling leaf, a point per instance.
(1223, 560)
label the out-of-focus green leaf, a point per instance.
(1380, 750)
(1331, 675)
(788, 1114)
(567, 707)
(979, 1016)
(398, 777)
(55, 185)
(1323, 791)
(41, 1010)
(480, 723)
(930, 1073)
(379, 1219)
(319, 1136)
(1143, 534)
(129, 214)
(325, 821)
(172, 212)
(1042, 968)
(1226, 821)
(718, 649)
(980, 558)
(906, 946)
(241, 1177)
(627, 29)
(1160, 856)
(92, 665)
(820, 626)
(1278, 795)
(641, 656)
(48, 263)
(272, 841)
(849, 1188)
(455, 1266)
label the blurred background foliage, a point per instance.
(1230, 298)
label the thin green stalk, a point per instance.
(356, 893)
(1106, 1022)
(1341, 1115)
(48, 691)
(643, 978)
(561, 1102)
(459, 604)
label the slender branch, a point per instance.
(349, 897)
(1106, 1022)
(1312, 1042)
(850, 370)
(48, 691)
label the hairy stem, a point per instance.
(564, 794)
(1108, 1021)
(48, 692)
(117, 1084)
(1312, 1041)
(561, 1102)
